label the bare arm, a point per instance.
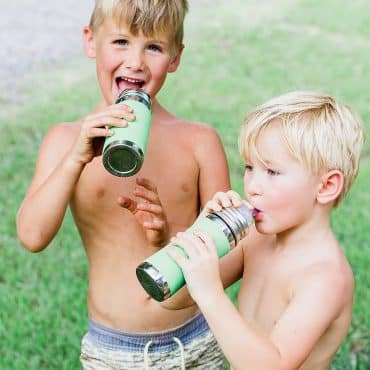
(297, 330)
(231, 270)
(46, 201)
(64, 153)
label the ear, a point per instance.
(89, 42)
(176, 60)
(330, 187)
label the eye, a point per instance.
(248, 168)
(155, 47)
(120, 42)
(272, 172)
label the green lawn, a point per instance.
(236, 56)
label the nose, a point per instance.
(134, 60)
(252, 185)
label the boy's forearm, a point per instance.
(242, 345)
(42, 211)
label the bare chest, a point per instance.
(174, 173)
(263, 295)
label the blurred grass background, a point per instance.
(238, 54)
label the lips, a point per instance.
(124, 82)
(257, 214)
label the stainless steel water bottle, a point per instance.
(160, 275)
(123, 152)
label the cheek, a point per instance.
(160, 68)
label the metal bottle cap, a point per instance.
(153, 281)
(123, 158)
(236, 222)
(135, 94)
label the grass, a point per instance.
(237, 56)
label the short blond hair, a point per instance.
(321, 133)
(151, 17)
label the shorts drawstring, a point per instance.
(177, 341)
(146, 355)
(182, 352)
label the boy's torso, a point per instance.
(114, 241)
(266, 292)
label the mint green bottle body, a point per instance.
(160, 275)
(123, 152)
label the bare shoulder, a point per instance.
(197, 131)
(59, 138)
(62, 132)
(333, 277)
(203, 138)
(56, 143)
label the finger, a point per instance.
(234, 198)
(147, 184)
(207, 241)
(155, 209)
(225, 200)
(178, 235)
(146, 194)
(174, 253)
(127, 203)
(122, 106)
(98, 132)
(191, 244)
(156, 225)
(119, 109)
(212, 205)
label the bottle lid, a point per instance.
(237, 219)
(153, 281)
(135, 94)
(123, 158)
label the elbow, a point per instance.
(33, 241)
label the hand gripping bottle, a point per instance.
(160, 275)
(123, 152)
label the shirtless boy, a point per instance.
(301, 153)
(124, 220)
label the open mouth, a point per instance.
(128, 83)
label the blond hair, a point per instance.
(151, 17)
(321, 133)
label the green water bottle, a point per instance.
(160, 275)
(123, 152)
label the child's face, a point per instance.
(127, 61)
(280, 188)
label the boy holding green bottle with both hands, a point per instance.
(301, 152)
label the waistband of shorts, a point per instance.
(163, 340)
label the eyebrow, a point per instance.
(118, 34)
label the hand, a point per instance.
(149, 211)
(201, 267)
(95, 128)
(221, 200)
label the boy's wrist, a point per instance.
(209, 300)
(73, 165)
